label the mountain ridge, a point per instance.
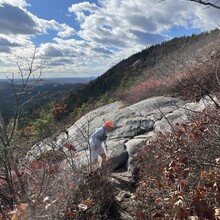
(157, 61)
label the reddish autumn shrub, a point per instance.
(179, 172)
(195, 82)
(59, 111)
(143, 90)
(191, 82)
(70, 147)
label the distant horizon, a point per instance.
(50, 78)
(68, 77)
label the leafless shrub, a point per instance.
(11, 183)
(179, 172)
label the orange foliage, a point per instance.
(189, 181)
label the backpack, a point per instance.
(103, 137)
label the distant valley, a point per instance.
(39, 93)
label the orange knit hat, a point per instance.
(108, 124)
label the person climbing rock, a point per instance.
(97, 143)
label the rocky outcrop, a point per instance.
(135, 125)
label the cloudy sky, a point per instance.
(77, 38)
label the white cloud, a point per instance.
(18, 26)
(109, 31)
(6, 43)
(81, 9)
(63, 30)
(21, 3)
(66, 32)
(205, 19)
(84, 6)
(51, 50)
(15, 20)
(125, 18)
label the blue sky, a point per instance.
(77, 38)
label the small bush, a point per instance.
(196, 83)
(93, 198)
(143, 90)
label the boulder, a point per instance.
(135, 125)
(118, 154)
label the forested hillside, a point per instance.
(155, 62)
(45, 91)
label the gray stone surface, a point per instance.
(136, 124)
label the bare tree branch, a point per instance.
(207, 3)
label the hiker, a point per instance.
(97, 143)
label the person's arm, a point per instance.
(95, 135)
(105, 144)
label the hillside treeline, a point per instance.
(158, 61)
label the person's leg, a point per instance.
(94, 159)
(104, 158)
(95, 152)
(95, 164)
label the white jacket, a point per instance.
(98, 137)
